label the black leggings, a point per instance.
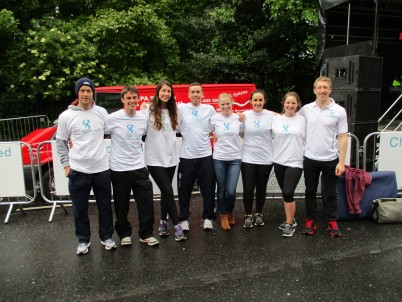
(288, 178)
(163, 177)
(254, 177)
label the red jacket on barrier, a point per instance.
(356, 181)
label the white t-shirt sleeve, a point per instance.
(108, 125)
(343, 122)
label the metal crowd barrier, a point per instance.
(13, 189)
(54, 189)
(274, 191)
(54, 185)
(13, 129)
(384, 150)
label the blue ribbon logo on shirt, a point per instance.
(130, 128)
(285, 128)
(226, 126)
(257, 124)
(163, 120)
(86, 124)
(331, 115)
(195, 114)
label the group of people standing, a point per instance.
(310, 138)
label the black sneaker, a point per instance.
(309, 227)
(293, 225)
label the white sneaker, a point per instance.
(151, 241)
(185, 225)
(109, 244)
(82, 248)
(208, 224)
(125, 241)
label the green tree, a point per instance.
(9, 34)
(132, 45)
(136, 44)
(47, 45)
(8, 28)
(248, 41)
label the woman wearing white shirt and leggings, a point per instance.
(289, 132)
(257, 155)
(161, 156)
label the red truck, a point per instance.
(109, 98)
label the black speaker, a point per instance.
(354, 72)
(360, 105)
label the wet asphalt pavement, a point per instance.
(39, 262)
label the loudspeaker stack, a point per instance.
(356, 86)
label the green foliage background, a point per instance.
(47, 45)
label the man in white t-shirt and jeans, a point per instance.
(325, 151)
(196, 157)
(86, 164)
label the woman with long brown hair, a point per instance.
(161, 156)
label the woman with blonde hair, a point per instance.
(227, 158)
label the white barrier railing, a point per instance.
(13, 129)
(59, 194)
(389, 157)
(12, 181)
(54, 185)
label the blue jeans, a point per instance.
(227, 175)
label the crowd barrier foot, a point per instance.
(10, 210)
(54, 209)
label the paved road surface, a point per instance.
(38, 262)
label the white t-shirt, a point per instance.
(126, 137)
(85, 129)
(160, 145)
(195, 128)
(289, 138)
(227, 129)
(323, 126)
(257, 144)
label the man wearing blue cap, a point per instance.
(86, 164)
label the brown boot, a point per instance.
(231, 218)
(224, 222)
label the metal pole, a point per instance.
(347, 29)
(376, 29)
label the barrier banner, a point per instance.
(60, 180)
(12, 182)
(390, 154)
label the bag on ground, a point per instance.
(387, 210)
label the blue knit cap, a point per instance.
(84, 81)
